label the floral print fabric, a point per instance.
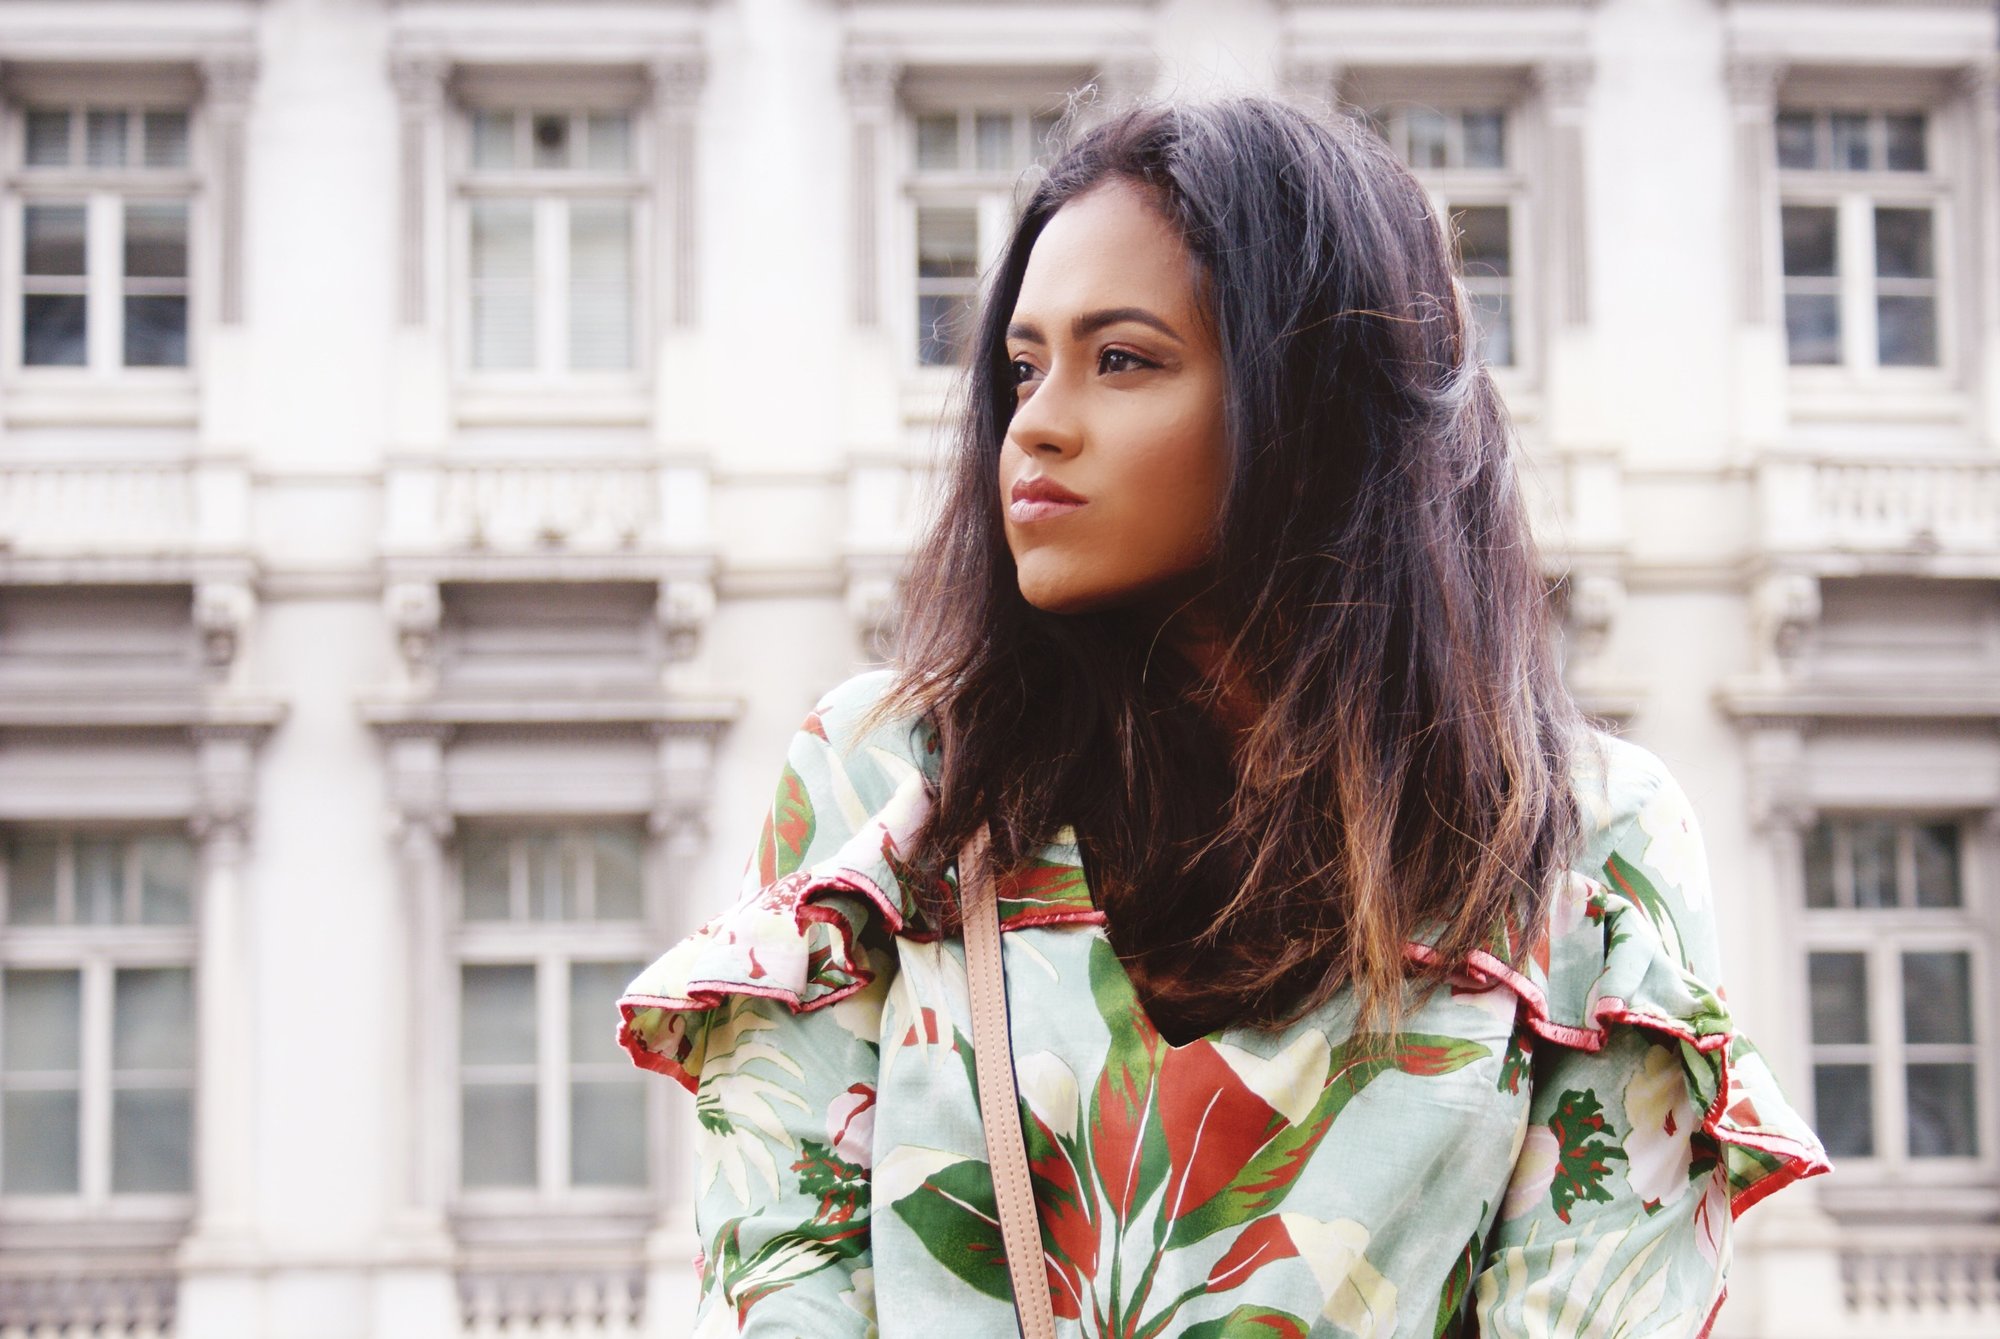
(1555, 1148)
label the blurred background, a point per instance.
(446, 446)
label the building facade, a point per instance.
(447, 445)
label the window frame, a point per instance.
(97, 953)
(994, 194)
(550, 948)
(1451, 189)
(1882, 936)
(104, 193)
(549, 192)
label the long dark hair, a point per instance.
(1409, 768)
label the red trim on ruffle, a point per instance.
(1483, 969)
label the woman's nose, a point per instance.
(1046, 421)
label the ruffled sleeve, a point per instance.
(770, 1013)
(1653, 1121)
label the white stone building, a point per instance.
(446, 445)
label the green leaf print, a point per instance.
(1267, 1177)
(1127, 1146)
(839, 1185)
(1457, 1285)
(789, 830)
(1250, 1322)
(955, 1215)
(1583, 1151)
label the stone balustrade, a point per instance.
(1881, 506)
(96, 507)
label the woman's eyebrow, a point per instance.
(1090, 322)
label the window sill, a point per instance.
(622, 403)
(1901, 1198)
(1836, 395)
(498, 1222)
(135, 1224)
(30, 400)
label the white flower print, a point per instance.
(1658, 1150)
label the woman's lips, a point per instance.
(1026, 509)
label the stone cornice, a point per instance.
(115, 710)
(1760, 702)
(393, 716)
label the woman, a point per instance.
(1355, 987)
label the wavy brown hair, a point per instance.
(1408, 770)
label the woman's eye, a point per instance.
(1131, 360)
(1022, 371)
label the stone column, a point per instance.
(417, 1297)
(1758, 395)
(1577, 418)
(680, 381)
(1978, 85)
(869, 80)
(683, 779)
(220, 341)
(227, 82)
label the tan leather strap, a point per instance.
(999, 1101)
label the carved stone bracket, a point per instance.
(223, 611)
(225, 788)
(419, 811)
(419, 81)
(1785, 606)
(683, 780)
(416, 611)
(874, 605)
(1595, 600)
(1753, 84)
(1312, 79)
(1775, 748)
(684, 608)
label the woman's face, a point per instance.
(1119, 401)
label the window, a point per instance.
(1464, 156)
(964, 165)
(105, 221)
(97, 1019)
(551, 929)
(1860, 217)
(551, 243)
(1893, 972)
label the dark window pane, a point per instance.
(38, 1143)
(1493, 317)
(594, 988)
(937, 142)
(166, 880)
(1809, 233)
(153, 1018)
(550, 132)
(166, 139)
(1903, 244)
(1812, 327)
(993, 141)
(1428, 146)
(52, 240)
(152, 1139)
(156, 331)
(31, 881)
(48, 138)
(1906, 331)
(41, 1021)
(947, 243)
(493, 139)
(485, 871)
(1821, 891)
(497, 1013)
(618, 853)
(52, 330)
(1941, 1112)
(944, 322)
(1841, 1112)
(156, 239)
(1906, 142)
(1839, 986)
(100, 880)
(1937, 997)
(498, 1135)
(1484, 246)
(104, 138)
(1874, 844)
(1937, 865)
(1485, 139)
(1796, 140)
(1850, 141)
(607, 1133)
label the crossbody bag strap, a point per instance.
(999, 1101)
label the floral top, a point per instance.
(1552, 1151)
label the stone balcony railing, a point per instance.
(1935, 1284)
(98, 507)
(1858, 513)
(594, 507)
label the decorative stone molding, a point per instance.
(683, 781)
(868, 79)
(419, 81)
(1784, 608)
(1753, 91)
(223, 611)
(676, 82)
(684, 609)
(1775, 772)
(416, 611)
(1565, 86)
(225, 783)
(227, 81)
